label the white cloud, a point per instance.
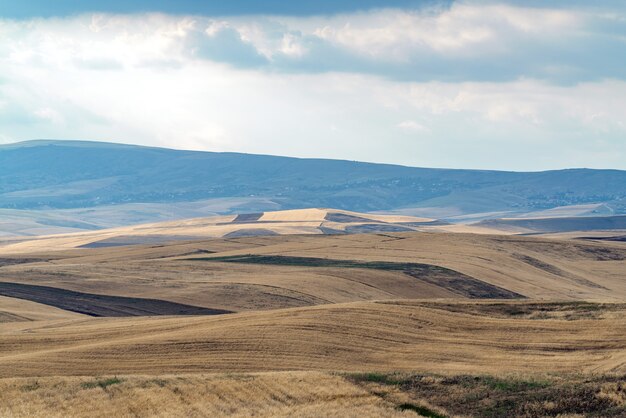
(463, 29)
(140, 79)
(412, 126)
(291, 46)
(216, 26)
(49, 115)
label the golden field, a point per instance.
(362, 336)
(312, 324)
(295, 394)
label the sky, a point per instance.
(510, 85)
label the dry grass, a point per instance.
(315, 394)
(296, 394)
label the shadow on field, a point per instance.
(100, 305)
(451, 280)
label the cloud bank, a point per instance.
(472, 84)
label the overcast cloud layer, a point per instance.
(467, 84)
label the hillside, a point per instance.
(288, 222)
(310, 324)
(557, 224)
(417, 336)
(70, 174)
(285, 271)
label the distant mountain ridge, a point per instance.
(76, 174)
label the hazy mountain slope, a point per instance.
(563, 224)
(31, 222)
(70, 174)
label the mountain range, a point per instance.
(103, 180)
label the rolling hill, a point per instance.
(244, 309)
(187, 318)
(289, 222)
(354, 337)
(236, 274)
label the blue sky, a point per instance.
(521, 85)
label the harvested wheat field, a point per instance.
(375, 324)
(419, 336)
(261, 273)
(288, 222)
(20, 310)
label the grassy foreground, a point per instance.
(315, 394)
(291, 394)
(501, 396)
